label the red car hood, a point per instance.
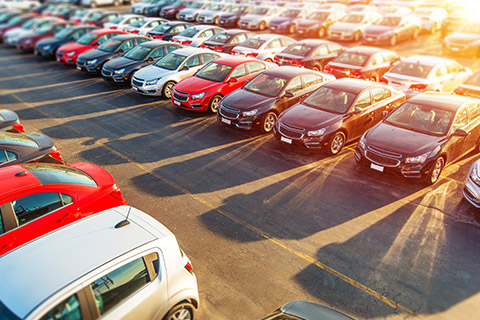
(73, 46)
(194, 85)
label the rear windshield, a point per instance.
(138, 23)
(162, 28)
(17, 139)
(87, 38)
(252, 43)
(52, 174)
(352, 58)
(188, 33)
(297, 50)
(412, 69)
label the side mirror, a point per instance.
(233, 79)
(288, 95)
(460, 132)
(384, 113)
(185, 68)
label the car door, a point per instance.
(240, 73)
(295, 86)
(361, 116)
(456, 143)
(8, 156)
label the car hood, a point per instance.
(309, 118)
(280, 20)
(462, 38)
(121, 62)
(153, 72)
(195, 85)
(43, 141)
(27, 33)
(229, 15)
(52, 41)
(403, 141)
(375, 29)
(96, 54)
(189, 10)
(72, 46)
(209, 13)
(307, 23)
(344, 26)
(246, 100)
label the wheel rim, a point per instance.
(316, 68)
(268, 60)
(437, 169)
(182, 314)
(262, 25)
(269, 122)
(167, 92)
(215, 104)
(337, 143)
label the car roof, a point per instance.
(187, 51)
(129, 36)
(351, 85)
(267, 36)
(156, 43)
(235, 60)
(235, 31)
(313, 42)
(451, 102)
(11, 182)
(203, 27)
(366, 50)
(426, 60)
(288, 71)
(103, 31)
(68, 254)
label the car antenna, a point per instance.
(125, 222)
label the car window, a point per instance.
(207, 57)
(179, 28)
(53, 174)
(58, 28)
(141, 40)
(255, 67)
(286, 42)
(274, 44)
(193, 61)
(389, 57)
(453, 68)
(238, 38)
(127, 45)
(334, 48)
(294, 85)
(67, 309)
(159, 52)
(473, 111)
(441, 70)
(380, 94)
(363, 100)
(240, 71)
(462, 119)
(376, 60)
(153, 24)
(103, 38)
(119, 284)
(6, 156)
(36, 205)
(206, 33)
(77, 34)
(311, 79)
(171, 48)
(131, 20)
(320, 51)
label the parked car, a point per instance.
(196, 35)
(16, 22)
(38, 198)
(259, 17)
(89, 14)
(471, 87)
(392, 28)
(307, 311)
(100, 17)
(166, 31)
(143, 26)
(421, 136)
(68, 53)
(96, 3)
(160, 78)
(362, 62)
(13, 36)
(338, 112)
(394, 9)
(121, 69)
(259, 102)
(227, 40)
(28, 41)
(93, 60)
(432, 18)
(205, 90)
(286, 21)
(262, 46)
(139, 7)
(361, 7)
(10, 122)
(77, 17)
(48, 47)
(212, 13)
(133, 270)
(455, 20)
(465, 41)
(310, 53)
(173, 11)
(231, 18)
(351, 26)
(317, 22)
(420, 73)
(156, 6)
(5, 17)
(471, 190)
(191, 12)
(120, 22)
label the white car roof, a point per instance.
(188, 51)
(426, 60)
(33, 272)
(267, 36)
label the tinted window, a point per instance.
(104, 38)
(138, 53)
(3, 156)
(220, 38)
(35, 205)
(298, 50)
(255, 67)
(159, 52)
(109, 46)
(170, 62)
(320, 51)
(239, 71)
(294, 85)
(329, 99)
(193, 61)
(207, 57)
(119, 284)
(68, 309)
(17, 139)
(380, 94)
(51, 174)
(252, 43)
(311, 80)
(274, 44)
(266, 85)
(352, 58)
(363, 101)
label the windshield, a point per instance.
(266, 85)
(475, 79)
(216, 7)
(319, 15)
(331, 100)
(220, 37)
(95, 16)
(171, 61)
(14, 21)
(110, 45)
(352, 58)
(390, 21)
(45, 28)
(352, 18)
(252, 43)
(421, 119)
(471, 27)
(87, 38)
(289, 13)
(138, 23)
(162, 28)
(188, 33)
(412, 69)
(214, 71)
(117, 19)
(138, 53)
(297, 50)
(63, 34)
(29, 23)
(52, 174)
(259, 11)
(238, 9)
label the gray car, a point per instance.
(306, 311)
(259, 18)
(262, 46)
(213, 13)
(351, 26)
(196, 35)
(191, 13)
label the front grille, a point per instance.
(106, 73)
(291, 131)
(229, 112)
(383, 157)
(137, 83)
(181, 92)
(179, 97)
(385, 152)
(80, 63)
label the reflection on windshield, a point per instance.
(87, 38)
(412, 69)
(297, 50)
(252, 43)
(110, 45)
(170, 62)
(138, 53)
(331, 100)
(352, 58)
(266, 85)
(214, 72)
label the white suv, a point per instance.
(100, 266)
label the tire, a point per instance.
(435, 171)
(268, 60)
(196, 18)
(93, 4)
(177, 16)
(262, 26)
(216, 21)
(116, 3)
(415, 34)
(269, 122)
(167, 89)
(215, 103)
(357, 36)
(322, 32)
(337, 143)
(182, 311)
(393, 40)
(317, 67)
(374, 78)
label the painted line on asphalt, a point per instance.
(227, 214)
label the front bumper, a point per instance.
(203, 19)
(231, 116)
(228, 22)
(112, 76)
(138, 86)
(339, 35)
(460, 50)
(375, 40)
(279, 27)
(61, 57)
(296, 137)
(471, 192)
(182, 100)
(89, 68)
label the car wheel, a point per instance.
(177, 16)
(182, 311)
(393, 40)
(262, 26)
(215, 103)
(268, 122)
(291, 29)
(268, 60)
(322, 32)
(435, 171)
(336, 143)
(116, 3)
(93, 4)
(216, 21)
(196, 18)
(317, 67)
(374, 78)
(416, 32)
(357, 36)
(167, 89)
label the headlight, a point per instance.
(69, 54)
(198, 95)
(92, 61)
(361, 142)
(316, 133)
(119, 71)
(151, 82)
(418, 159)
(250, 113)
(46, 48)
(474, 175)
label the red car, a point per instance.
(15, 22)
(69, 52)
(36, 199)
(362, 62)
(206, 89)
(48, 30)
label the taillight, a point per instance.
(233, 52)
(113, 27)
(219, 48)
(418, 87)
(117, 195)
(186, 42)
(383, 80)
(56, 155)
(202, 45)
(252, 54)
(19, 127)
(275, 59)
(92, 23)
(459, 90)
(297, 63)
(134, 31)
(188, 266)
(356, 73)
(327, 68)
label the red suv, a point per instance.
(206, 89)
(36, 199)
(69, 52)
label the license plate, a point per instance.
(375, 167)
(226, 121)
(455, 49)
(286, 140)
(35, 52)
(79, 68)
(176, 102)
(369, 38)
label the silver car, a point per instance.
(351, 26)
(160, 78)
(196, 35)
(432, 18)
(212, 14)
(471, 191)
(420, 73)
(259, 17)
(142, 26)
(262, 46)
(191, 13)
(117, 264)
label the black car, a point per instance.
(421, 136)
(121, 69)
(230, 18)
(337, 112)
(10, 122)
(100, 17)
(93, 60)
(260, 101)
(305, 310)
(166, 31)
(311, 53)
(20, 148)
(48, 47)
(227, 40)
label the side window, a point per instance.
(311, 80)
(78, 34)
(441, 70)
(158, 53)
(118, 285)
(363, 100)
(255, 67)
(294, 85)
(462, 118)
(193, 61)
(239, 71)
(127, 45)
(376, 60)
(103, 38)
(58, 28)
(274, 44)
(7, 156)
(206, 34)
(178, 29)
(380, 94)
(334, 48)
(286, 42)
(320, 51)
(207, 57)
(389, 57)
(67, 309)
(141, 40)
(473, 111)
(153, 24)
(171, 48)
(36, 205)
(237, 39)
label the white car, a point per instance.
(160, 78)
(20, 4)
(191, 13)
(259, 17)
(96, 3)
(351, 26)
(432, 18)
(122, 21)
(263, 46)
(101, 266)
(421, 73)
(142, 26)
(196, 35)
